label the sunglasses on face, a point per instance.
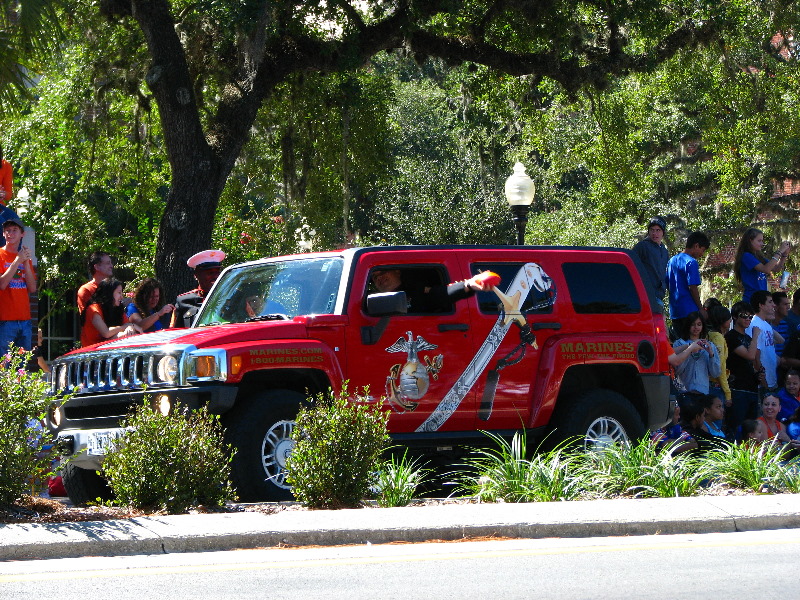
(748, 317)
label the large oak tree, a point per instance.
(214, 63)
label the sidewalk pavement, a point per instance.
(226, 531)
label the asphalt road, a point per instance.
(728, 565)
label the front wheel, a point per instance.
(260, 428)
(600, 418)
(84, 485)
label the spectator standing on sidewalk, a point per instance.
(793, 316)
(17, 282)
(148, 306)
(100, 266)
(694, 373)
(655, 256)
(779, 323)
(767, 360)
(683, 280)
(719, 319)
(751, 267)
(742, 354)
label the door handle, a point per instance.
(453, 327)
(537, 326)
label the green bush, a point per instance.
(170, 462)
(23, 403)
(752, 467)
(505, 474)
(398, 480)
(641, 470)
(338, 445)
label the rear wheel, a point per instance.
(600, 418)
(260, 429)
(84, 485)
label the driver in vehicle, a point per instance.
(422, 298)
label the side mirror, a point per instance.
(387, 304)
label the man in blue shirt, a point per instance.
(683, 280)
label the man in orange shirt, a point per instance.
(17, 282)
(99, 266)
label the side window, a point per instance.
(538, 301)
(601, 288)
(424, 285)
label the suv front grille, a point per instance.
(109, 371)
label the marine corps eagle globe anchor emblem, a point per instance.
(410, 381)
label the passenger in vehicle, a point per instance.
(104, 317)
(422, 298)
(148, 305)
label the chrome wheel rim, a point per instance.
(275, 449)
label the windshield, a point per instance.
(274, 290)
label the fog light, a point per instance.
(162, 404)
(205, 366)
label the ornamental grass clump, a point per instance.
(753, 467)
(505, 474)
(338, 446)
(398, 480)
(170, 462)
(23, 403)
(641, 470)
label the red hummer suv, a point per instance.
(569, 341)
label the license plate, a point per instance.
(100, 442)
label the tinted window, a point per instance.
(601, 288)
(538, 301)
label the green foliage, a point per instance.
(640, 470)
(23, 403)
(337, 453)
(753, 467)
(505, 474)
(170, 462)
(398, 480)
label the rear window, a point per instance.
(601, 288)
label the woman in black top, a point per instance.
(742, 379)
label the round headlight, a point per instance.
(167, 369)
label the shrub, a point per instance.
(398, 480)
(641, 470)
(505, 474)
(23, 403)
(337, 451)
(755, 467)
(170, 462)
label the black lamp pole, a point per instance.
(520, 217)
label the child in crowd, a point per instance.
(789, 395)
(751, 267)
(753, 431)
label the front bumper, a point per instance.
(105, 411)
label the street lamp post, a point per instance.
(519, 195)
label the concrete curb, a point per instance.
(226, 531)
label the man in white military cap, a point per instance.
(206, 267)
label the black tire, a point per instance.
(599, 417)
(259, 428)
(84, 485)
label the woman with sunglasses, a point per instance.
(742, 378)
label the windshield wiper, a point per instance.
(270, 317)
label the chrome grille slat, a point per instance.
(120, 370)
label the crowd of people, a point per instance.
(736, 369)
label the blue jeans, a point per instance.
(18, 332)
(745, 406)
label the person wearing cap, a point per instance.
(17, 282)
(655, 256)
(206, 267)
